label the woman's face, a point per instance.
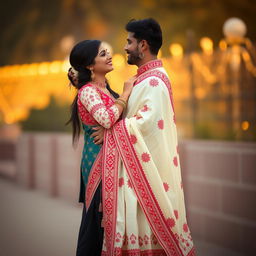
(103, 61)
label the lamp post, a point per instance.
(234, 30)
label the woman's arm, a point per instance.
(105, 116)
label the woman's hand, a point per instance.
(128, 85)
(98, 135)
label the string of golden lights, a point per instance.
(27, 86)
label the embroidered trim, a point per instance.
(149, 65)
(93, 180)
(135, 252)
(110, 189)
(96, 107)
(112, 116)
(161, 76)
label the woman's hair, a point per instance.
(149, 30)
(82, 55)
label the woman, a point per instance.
(95, 104)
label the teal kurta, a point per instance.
(90, 152)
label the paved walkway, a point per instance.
(33, 224)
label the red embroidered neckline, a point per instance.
(149, 65)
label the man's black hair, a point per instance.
(147, 29)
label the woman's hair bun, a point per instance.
(73, 76)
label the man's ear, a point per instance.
(144, 45)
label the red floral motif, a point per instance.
(160, 124)
(118, 237)
(166, 186)
(175, 161)
(121, 182)
(140, 241)
(153, 82)
(145, 157)
(145, 108)
(185, 227)
(133, 239)
(161, 76)
(171, 222)
(153, 239)
(125, 240)
(129, 183)
(146, 239)
(138, 117)
(176, 213)
(133, 138)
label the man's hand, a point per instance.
(98, 135)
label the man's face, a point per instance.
(132, 49)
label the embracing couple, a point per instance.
(131, 183)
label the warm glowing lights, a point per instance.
(43, 68)
(55, 67)
(206, 45)
(27, 86)
(223, 45)
(248, 62)
(203, 69)
(118, 61)
(176, 50)
(235, 59)
(245, 125)
(42, 102)
(33, 69)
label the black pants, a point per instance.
(90, 237)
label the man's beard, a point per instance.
(133, 57)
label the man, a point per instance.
(143, 201)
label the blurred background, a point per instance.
(209, 53)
